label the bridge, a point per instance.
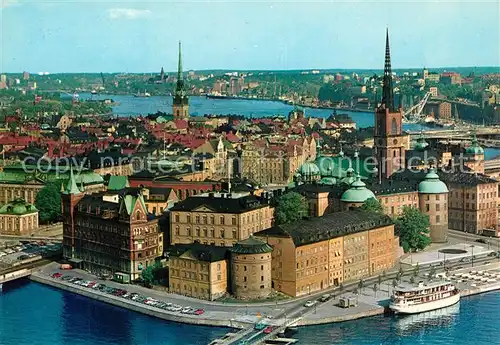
(18, 274)
(439, 99)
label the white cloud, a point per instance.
(6, 3)
(127, 13)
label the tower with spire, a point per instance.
(389, 147)
(180, 107)
(70, 196)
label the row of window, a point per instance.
(197, 233)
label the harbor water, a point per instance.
(34, 314)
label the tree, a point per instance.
(373, 205)
(48, 202)
(149, 274)
(291, 208)
(413, 228)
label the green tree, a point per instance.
(149, 274)
(48, 202)
(372, 205)
(413, 228)
(291, 208)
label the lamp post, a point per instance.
(472, 254)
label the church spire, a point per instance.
(387, 91)
(179, 68)
(71, 187)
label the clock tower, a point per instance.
(180, 107)
(389, 147)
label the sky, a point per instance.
(142, 36)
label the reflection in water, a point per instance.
(435, 318)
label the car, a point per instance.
(176, 308)
(57, 275)
(23, 257)
(9, 251)
(325, 297)
(268, 329)
(199, 311)
(481, 240)
(2, 254)
(66, 278)
(260, 326)
(486, 263)
(492, 254)
(127, 295)
(309, 304)
(458, 268)
(186, 310)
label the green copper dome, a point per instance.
(309, 169)
(475, 148)
(357, 193)
(88, 178)
(350, 178)
(330, 181)
(326, 165)
(432, 184)
(18, 207)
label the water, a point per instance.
(199, 106)
(475, 320)
(491, 152)
(34, 314)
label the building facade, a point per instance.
(312, 255)
(219, 219)
(18, 218)
(108, 236)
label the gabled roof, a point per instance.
(219, 204)
(198, 251)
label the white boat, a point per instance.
(412, 299)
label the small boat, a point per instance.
(413, 299)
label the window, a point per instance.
(188, 218)
(212, 233)
(138, 215)
(197, 219)
(234, 233)
(245, 279)
(261, 278)
(222, 234)
(438, 219)
(438, 207)
(177, 218)
(427, 207)
(233, 221)
(262, 267)
(394, 127)
(244, 268)
(437, 197)
(222, 220)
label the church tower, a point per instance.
(389, 148)
(70, 196)
(180, 107)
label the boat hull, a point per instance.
(423, 307)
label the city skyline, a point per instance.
(142, 37)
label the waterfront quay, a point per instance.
(282, 313)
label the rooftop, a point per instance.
(327, 227)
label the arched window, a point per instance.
(138, 215)
(394, 127)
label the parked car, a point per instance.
(186, 310)
(481, 240)
(23, 257)
(260, 326)
(57, 275)
(309, 304)
(325, 297)
(268, 329)
(199, 311)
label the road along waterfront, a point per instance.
(244, 316)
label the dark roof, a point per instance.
(219, 204)
(392, 186)
(251, 245)
(201, 252)
(327, 227)
(467, 179)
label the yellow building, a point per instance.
(312, 255)
(219, 219)
(18, 218)
(198, 271)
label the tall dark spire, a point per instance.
(179, 68)
(387, 91)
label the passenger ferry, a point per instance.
(412, 299)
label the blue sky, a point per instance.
(141, 36)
